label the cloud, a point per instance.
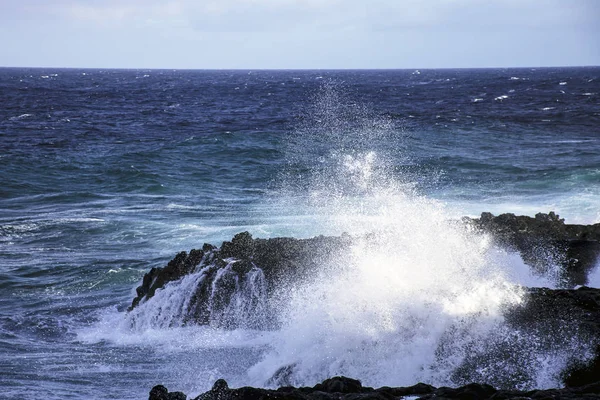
(300, 33)
(321, 15)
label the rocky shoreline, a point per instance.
(343, 388)
(540, 240)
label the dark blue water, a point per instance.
(108, 173)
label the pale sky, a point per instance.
(252, 34)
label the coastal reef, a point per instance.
(343, 388)
(242, 283)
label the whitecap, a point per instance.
(22, 116)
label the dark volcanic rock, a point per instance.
(542, 241)
(280, 259)
(159, 392)
(339, 384)
(546, 239)
(546, 313)
(351, 389)
(584, 374)
(549, 312)
(178, 267)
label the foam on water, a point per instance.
(594, 278)
(419, 296)
(422, 297)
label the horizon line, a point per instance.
(292, 69)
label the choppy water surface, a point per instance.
(106, 174)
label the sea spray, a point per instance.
(226, 294)
(418, 296)
(416, 283)
(422, 297)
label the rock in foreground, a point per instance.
(223, 275)
(342, 388)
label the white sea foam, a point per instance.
(421, 299)
(418, 288)
(594, 277)
(417, 297)
(19, 117)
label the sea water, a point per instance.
(108, 173)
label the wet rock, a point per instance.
(281, 260)
(181, 265)
(583, 374)
(548, 313)
(343, 388)
(339, 384)
(219, 391)
(241, 247)
(546, 239)
(159, 392)
(473, 391)
(542, 240)
(420, 389)
(284, 261)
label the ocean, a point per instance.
(109, 173)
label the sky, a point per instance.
(299, 34)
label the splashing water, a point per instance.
(417, 282)
(421, 298)
(418, 297)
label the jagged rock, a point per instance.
(350, 390)
(339, 384)
(541, 240)
(420, 389)
(178, 267)
(280, 259)
(548, 312)
(159, 392)
(283, 261)
(546, 239)
(219, 391)
(584, 374)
